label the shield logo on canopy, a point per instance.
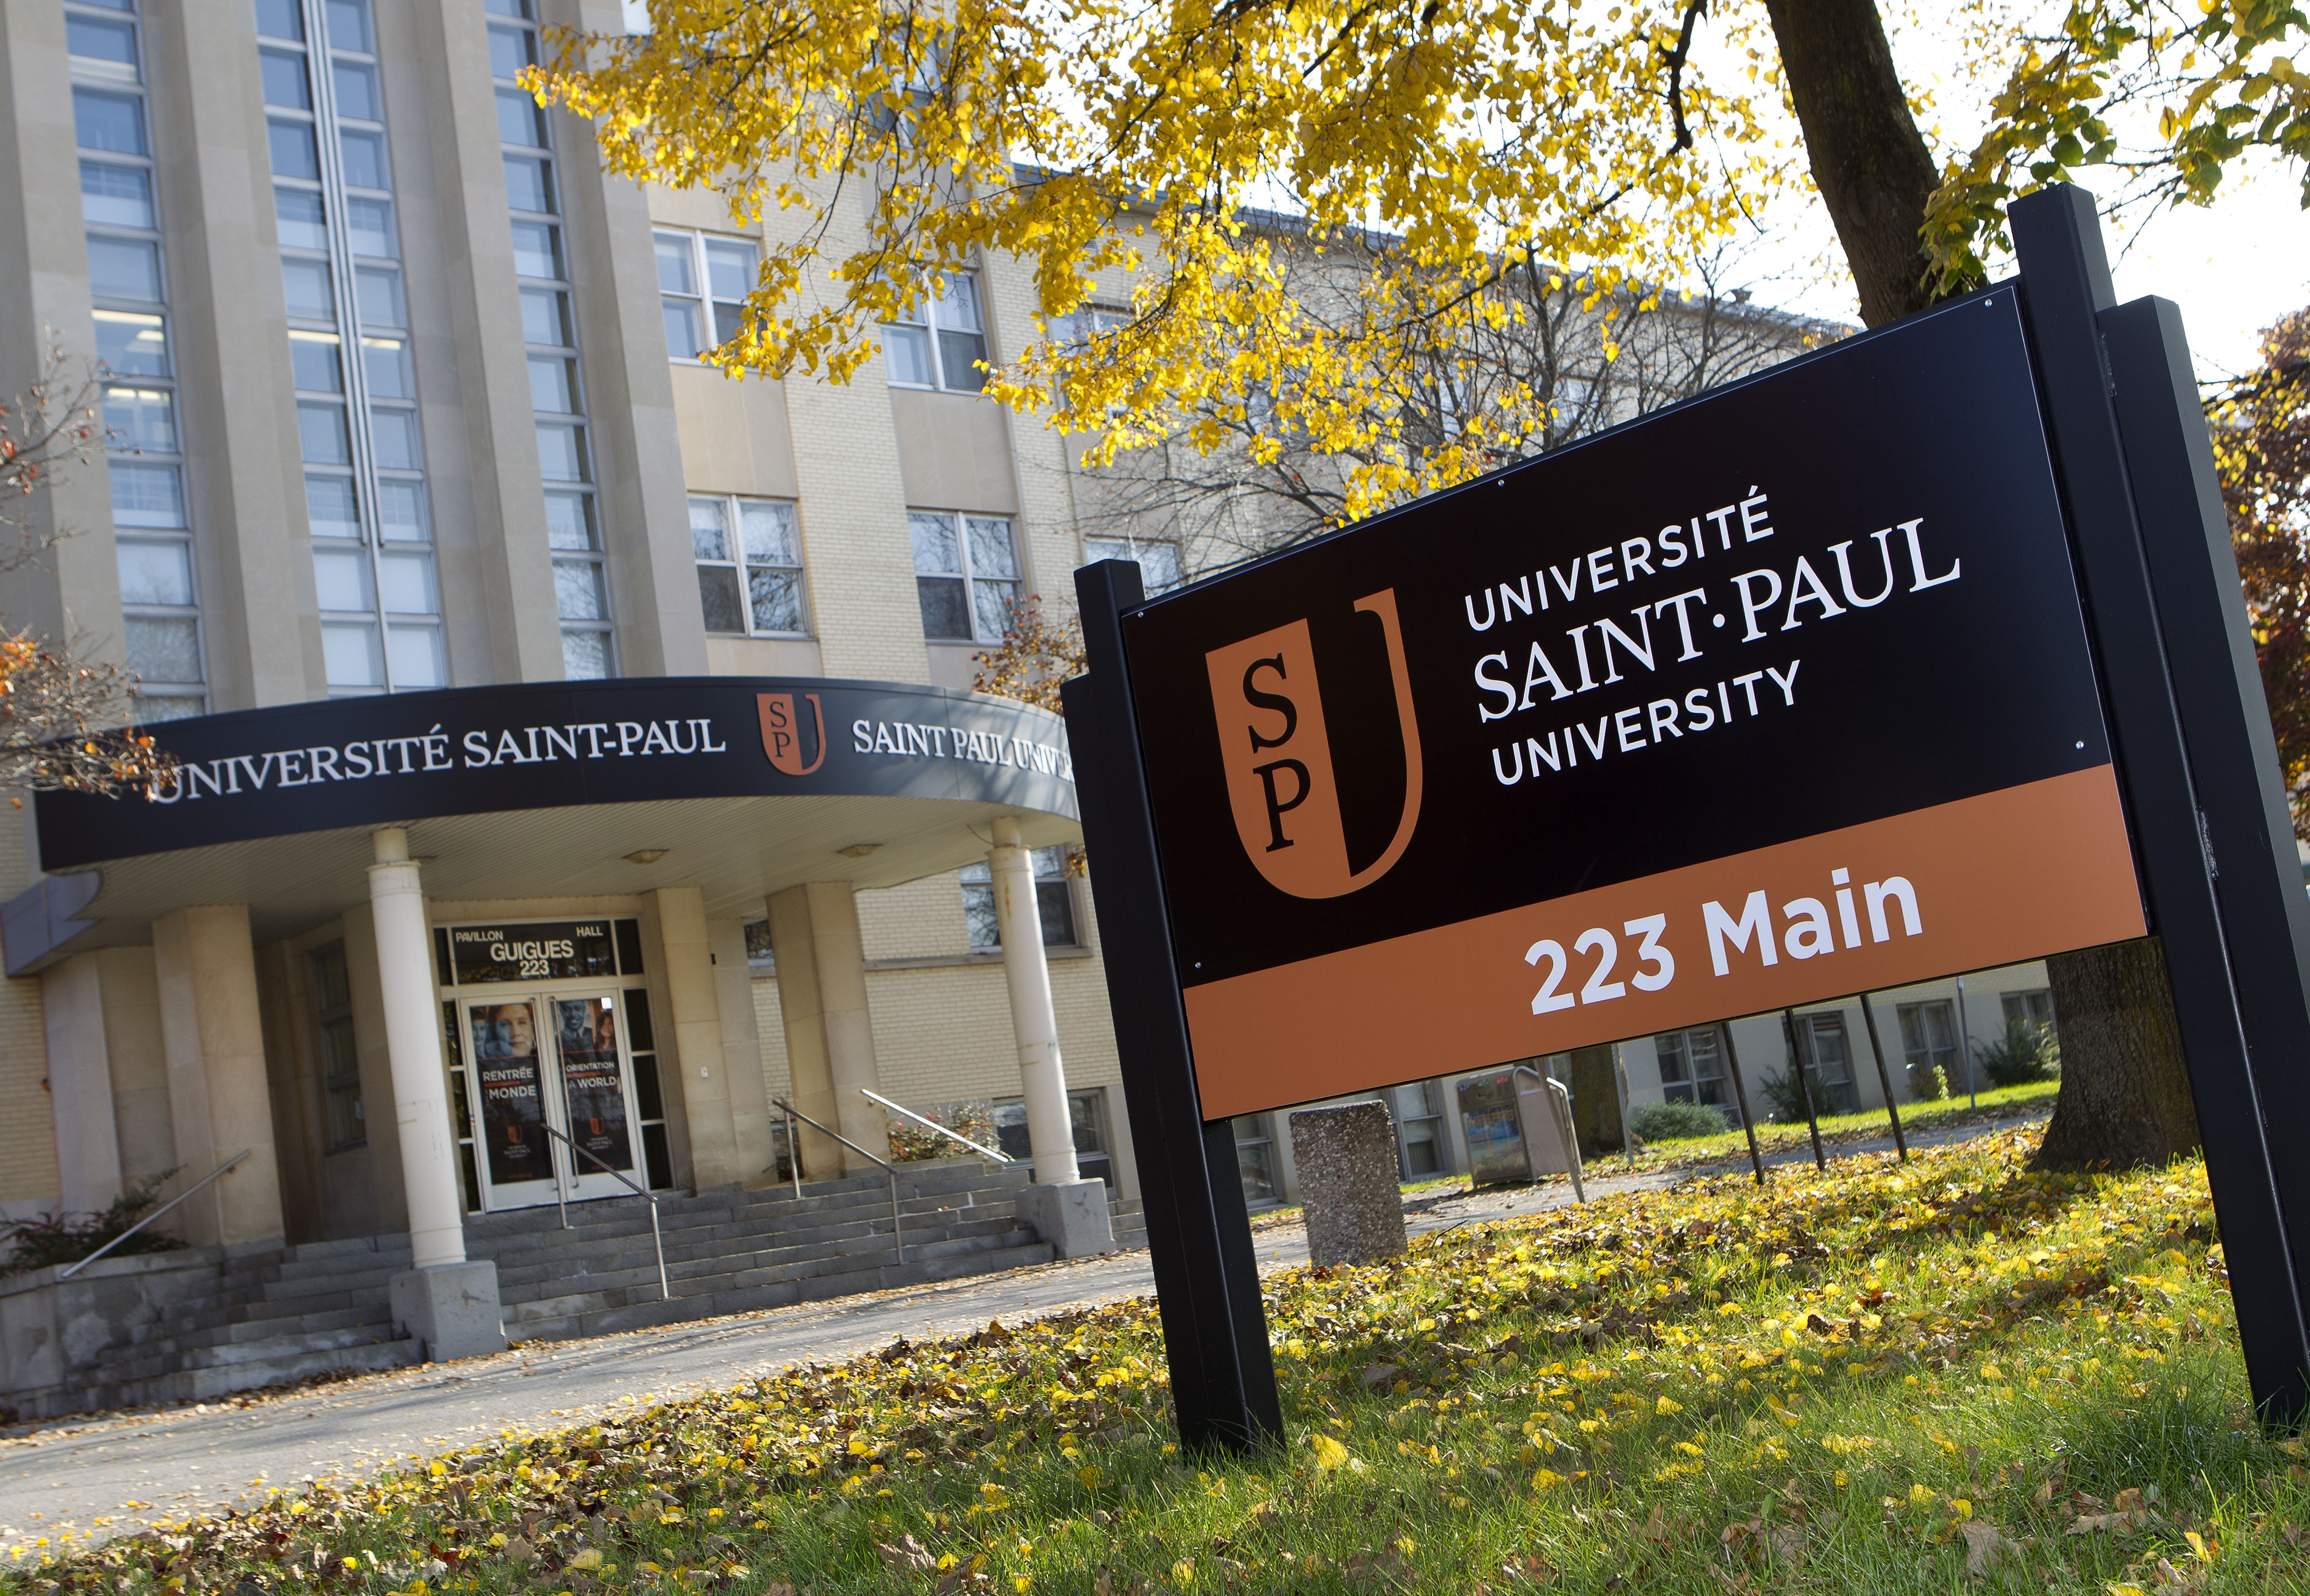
(782, 736)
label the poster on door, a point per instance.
(512, 1095)
(586, 1036)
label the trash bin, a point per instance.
(1518, 1124)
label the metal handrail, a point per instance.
(67, 1273)
(794, 1154)
(932, 1124)
(657, 1237)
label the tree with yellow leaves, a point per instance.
(67, 721)
(902, 139)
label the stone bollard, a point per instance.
(1348, 1186)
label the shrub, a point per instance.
(1928, 1083)
(59, 1237)
(1783, 1099)
(910, 1143)
(1672, 1122)
(2028, 1052)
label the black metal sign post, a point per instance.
(2195, 751)
(2028, 474)
(1198, 1231)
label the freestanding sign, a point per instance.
(1804, 688)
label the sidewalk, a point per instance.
(108, 1475)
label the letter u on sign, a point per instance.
(782, 731)
(1277, 753)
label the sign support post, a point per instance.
(1198, 1232)
(2067, 296)
(1741, 1096)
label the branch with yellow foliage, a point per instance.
(67, 720)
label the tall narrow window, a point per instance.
(565, 458)
(357, 422)
(942, 345)
(966, 575)
(749, 555)
(160, 620)
(339, 1065)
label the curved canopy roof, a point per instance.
(743, 786)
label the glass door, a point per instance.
(596, 1096)
(555, 1061)
(507, 1083)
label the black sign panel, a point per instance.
(385, 760)
(557, 951)
(1780, 694)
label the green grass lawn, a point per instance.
(2005, 1102)
(1954, 1375)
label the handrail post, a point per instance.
(794, 1154)
(657, 1236)
(898, 1238)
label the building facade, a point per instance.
(409, 445)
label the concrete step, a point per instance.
(204, 1384)
(274, 1348)
(584, 1318)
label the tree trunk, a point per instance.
(2124, 1098)
(1868, 159)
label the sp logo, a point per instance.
(782, 731)
(1277, 753)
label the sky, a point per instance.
(2234, 267)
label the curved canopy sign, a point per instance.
(352, 762)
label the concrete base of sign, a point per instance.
(1070, 1215)
(451, 1308)
(1348, 1183)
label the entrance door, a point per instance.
(549, 1059)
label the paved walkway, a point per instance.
(107, 1475)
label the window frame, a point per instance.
(1052, 886)
(959, 528)
(701, 276)
(1913, 1057)
(733, 532)
(1129, 546)
(935, 332)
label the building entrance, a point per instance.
(542, 1059)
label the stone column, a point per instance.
(1069, 1212)
(829, 1035)
(80, 1085)
(1346, 1158)
(448, 1304)
(742, 1053)
(696, 1021)
(211, 1033)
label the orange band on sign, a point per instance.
(2010, 875)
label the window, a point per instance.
(1692, 1067)
(461, 1106)
(749, 555)
(942, 345)
(1831, 1075)
(649, 1092)
(1159, 566)
(760, 958)
(1929, 1039)
(966, 575)
(703, 280)
(366, 503)
(1086, 1110)
(1052, 896)
(573, 529)
(161, 622)
(2032, 1008)
(1418, 1116)
(1255, 1159)
(339, 1063)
